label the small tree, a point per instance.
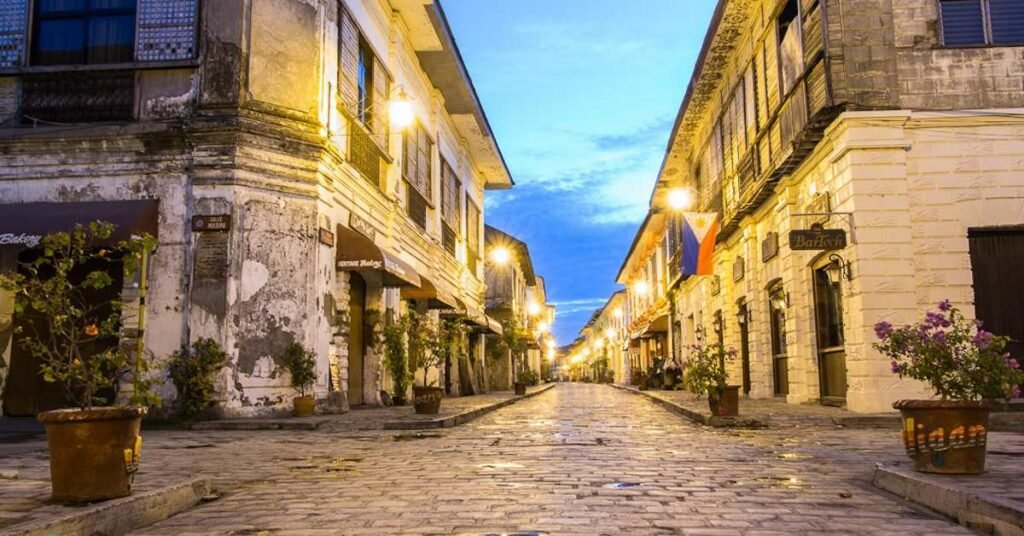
(73, 333)
(395, 355)
(445, 342)
(301, 366)
(706, 372)
(426, 344)
(516, 339)
(193, 372)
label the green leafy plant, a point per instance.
(301, 366)
(516, 339)
(423, 342)
(528, 376)
(706, 372)
(74, 331)
(954, 355)
(395, 355)
(193, 372)
(444, 343)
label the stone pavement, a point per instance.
(580, 459)
(454, 411)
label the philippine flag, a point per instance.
(699, 232)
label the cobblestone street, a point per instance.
(549, 464)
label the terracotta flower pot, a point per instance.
(304, 406)
(947, 437)
(728, 404)
(520, 389)
(427, 400)
(94, 453)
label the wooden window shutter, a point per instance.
(379, 119)
(1007, 21)
(416, 152)
(450, 187)
(13, 32)
(166, 30)
(348, 61)
(409, 161)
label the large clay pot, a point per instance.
(520, 389)
(947, 437)
(94, 453)
(726, 405)
(427, 400)
(304, 406)
(642, 383)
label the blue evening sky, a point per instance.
(582, 95)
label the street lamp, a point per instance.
(609, 333)
(680, 199)
(617, 313)
(640, 288)
(402, 111)
(542, 327)
(533, 308)
(501, 255)
(838, 269)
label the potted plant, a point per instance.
(301, 365)
(396, 358)
(706, 375)
(75, 333)
(517, 340)
(193, 370)
(655, 373)
(640, 379)
(428, 346)
(968, 368)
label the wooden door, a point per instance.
(997, 258)
(780, 352)
(828, 313)
(744, 316)
(356, 338)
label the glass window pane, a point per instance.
(59, 42)
(1007, 21)
(60, 7)
(112, 4)
(111, 39)
(963, 22)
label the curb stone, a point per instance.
(695, 416)
(449, 421)
(120, 516)
(991, 514)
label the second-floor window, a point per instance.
(74, 32)
(451, 215)
(416, 171)
(982, 22)
(472, 236)
(364, 85)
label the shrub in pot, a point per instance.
(428, 346)
(94, 448)
(655, 375)
(396, 359)
(968, 368)
(527, 377)
(517, 339)
(640, 379)
(193, 371)
(301, 365)
(706, 375)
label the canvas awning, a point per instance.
(436, 298)
(358, 253)
(24, 225)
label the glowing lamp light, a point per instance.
(617, 312)
(609, 333)
(402, 111)
(599, 343)
(551, 345)
(533, 309)
(542, 327)
(679, 199)
(640, 288)
(501, 255)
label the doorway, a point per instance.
(356, 338)
(996, 259)
(743, 317)
(828, 314)
(777, 303)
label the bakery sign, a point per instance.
(20, 239)
(817, 238)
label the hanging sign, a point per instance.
(326, 237)
(769, 247)
(817, 239)
(215, 223)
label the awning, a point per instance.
(358, 253)
(24, 225)
(494, 326)
(436, 298)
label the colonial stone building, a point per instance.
(606, 337)
(894, 130)
(254, 138)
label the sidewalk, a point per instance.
(454, 411)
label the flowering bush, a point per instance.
(705, 372)
(954, 355)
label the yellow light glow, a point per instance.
(551, 345)
(617, 312)
(501, 255)
(680, 199)
(609, 333)
(402, 111)
(599, 343)
(533, 309)
(551, 355)
(542, 327)
(640, 288)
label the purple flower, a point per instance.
(883, 329)
(1013, 363)
(895, 367)
(1016, 392)
(983, 339)
(945, 306)
(939, 337)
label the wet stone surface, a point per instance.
(580, 459)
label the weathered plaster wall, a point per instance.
(284, 61)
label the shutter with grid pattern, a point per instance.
(379, 120)
(472, 230)
(166, 30)
(449, 196)
(13, 30)
(348, 62)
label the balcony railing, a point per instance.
(365, 155)
(79, 97)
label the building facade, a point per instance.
(254, 137)
(862, 169)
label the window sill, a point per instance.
(353, 121)
(133, 66)
(969, 47)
